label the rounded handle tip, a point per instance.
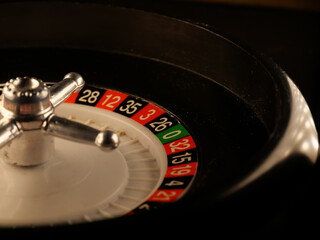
(107, 140)
(77, 78)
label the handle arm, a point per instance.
(72, 82)
(64, 128)
(8, 131)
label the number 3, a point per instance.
(149, 114)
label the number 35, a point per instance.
(131, 107)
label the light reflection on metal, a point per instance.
(27, 106)
(300, 137)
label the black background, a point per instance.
(290, 38)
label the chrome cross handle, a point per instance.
(29, 122)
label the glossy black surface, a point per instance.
(291, 216)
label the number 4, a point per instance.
(174, 183)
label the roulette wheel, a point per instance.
(195, 125)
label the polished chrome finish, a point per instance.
(25, 98)
(29, 123)
(107, 140)
(64, 128)
(72, 82)
(8, 131)
(30, 148)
